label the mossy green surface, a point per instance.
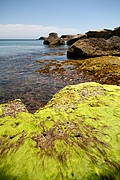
(76, 136)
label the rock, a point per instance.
(75, 136)
(53, 40)
(66, 37)
(13, 107)
(93, 47)
(42, 38)
(115, 32)
(57, 42)
(105, 33)
(104, 69)
(114, 43)
(53, 35)
(76, 38)
(99, 34)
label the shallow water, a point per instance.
(19, 77)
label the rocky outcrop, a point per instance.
(56, 42)
(78, 129)
(115, 32)
(113, 43)
(99, 34)
(93, 47)
(53, 35)
(53, 40)
(66, 37)
(76, 38)
(105, 33)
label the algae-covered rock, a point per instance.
(75, 136)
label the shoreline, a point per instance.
(36, 77)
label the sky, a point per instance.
(36, 18)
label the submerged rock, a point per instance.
(105, 69)
(75, 136)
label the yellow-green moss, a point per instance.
(75, 136)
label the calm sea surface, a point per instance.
(18, 76)
(18, 72)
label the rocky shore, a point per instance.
(76, 135)
(91, 44)
(95, 53)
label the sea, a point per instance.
(19, 76)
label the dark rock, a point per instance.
(94, 47)
(105, 33)
(57, 42)
(67, 37)
(114, 43)
(76, 38)
(42, 38)
(99, 34)
(53, 35)
(53, 40)
(115, 32)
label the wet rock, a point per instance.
(105, 69)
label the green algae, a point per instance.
(104, 69)
(75, 136)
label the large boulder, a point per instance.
(75, 136)
(115, 32)
(53, 40)
(93, 47)
(53, 35)
(113, 43)
(99, 34)
(66, 36)
(76, 38)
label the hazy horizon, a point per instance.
(30, 19)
